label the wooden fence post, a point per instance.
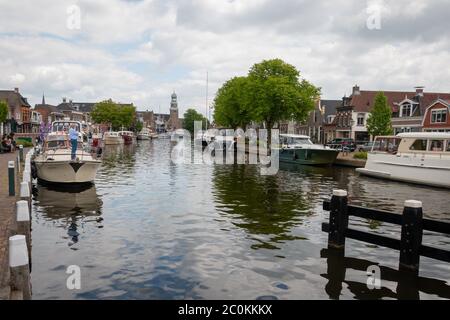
(411, 239)
(338, 219)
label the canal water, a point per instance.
(152, 229)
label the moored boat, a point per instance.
(112, 138)
(128, 137)
(54, 163)
(299, 149)
(419, 157)
(144, 134)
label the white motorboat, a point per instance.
(177, 135)
(112, 138)
(144, 134)
(54, 163)
(419, 157)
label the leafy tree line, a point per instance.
(118, 116)
(273, 91)
(190, 116)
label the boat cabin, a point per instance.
(64, 126)
(60, 141)
(414, 142)
(294, 140)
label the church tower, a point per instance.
(174, 120)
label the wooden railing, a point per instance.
(412, 226)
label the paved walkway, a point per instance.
(7, 220)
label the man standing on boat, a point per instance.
(73, 136)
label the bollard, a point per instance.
(338, 219)
(22, 211)
(18, 262)
(23, 218)
(12, 178)
(24, 190)
(411, 238)
(21, 153)
(26, 176)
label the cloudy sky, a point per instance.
(141, 50)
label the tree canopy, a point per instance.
(379, 121)
(230, 104)
(273, 91)
(3, 111)
(277, 93)
(116, 115)
(190, 116)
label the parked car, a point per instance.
(342, 144)
(367, 146)
(376, 146)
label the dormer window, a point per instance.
(439, 116)
(406, 110)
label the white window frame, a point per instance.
(410, 110)
(441, 111)
(359, 117)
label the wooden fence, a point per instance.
(412, 226)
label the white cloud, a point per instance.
(140, 51)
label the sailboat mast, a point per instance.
(207, 116)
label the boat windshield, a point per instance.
(386, 144)
(303, 141)
(63, 126)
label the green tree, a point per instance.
(190, 116)
(138, 126)
(379, 120)
(231, 104)
(3, 114)
(277, 93)
(3, 111)
(126, 116)
(116, 115)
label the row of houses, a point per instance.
(412, 111)
(22, 118)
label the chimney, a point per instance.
(356, 91)
(16, 90)
(64, 100)
(419, 91)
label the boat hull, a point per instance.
(319, 157)
(113, 141)
(428, 170)
(67, 172)
(143, 137)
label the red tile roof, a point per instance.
(364, 101)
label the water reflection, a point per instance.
(262, 205)
(176, 231)
(69, 207)
(407, 287)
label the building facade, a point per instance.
(436, 118)
(408, 109)
(19, 112)
(317, 126)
